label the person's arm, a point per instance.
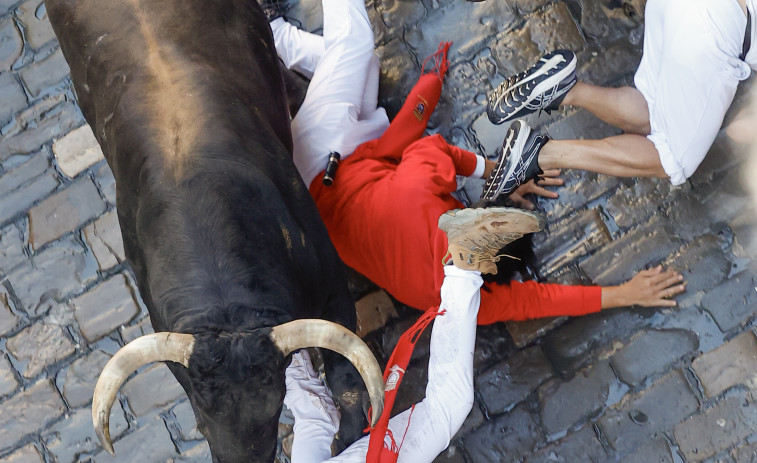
(316, 419)
(528, 300)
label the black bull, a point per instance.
(186, 101)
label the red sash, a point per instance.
(381, 449)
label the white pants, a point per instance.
(435, 420)
(688, 75)
(340, 108)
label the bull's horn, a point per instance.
(157, 347)
(321, 333)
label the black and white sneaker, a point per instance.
(541, 87)
(519, 162)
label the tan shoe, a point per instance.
(476, 235)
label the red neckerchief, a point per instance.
(380, 449)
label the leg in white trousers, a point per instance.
(436, 419)
(340, 108)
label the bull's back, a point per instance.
(174, 89)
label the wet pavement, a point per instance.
(628, 385)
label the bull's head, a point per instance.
(226, 438)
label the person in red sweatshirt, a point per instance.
(383, 207)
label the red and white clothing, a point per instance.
(381, 212)
(688, 75)
(423, 431)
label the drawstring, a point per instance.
(441, 63)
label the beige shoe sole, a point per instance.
(497, 220)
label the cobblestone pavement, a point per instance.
(631, 385)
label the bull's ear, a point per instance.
(156, 347)
(299, 334)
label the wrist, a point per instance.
(615, 296)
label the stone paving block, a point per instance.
(397, 73)
(64, 211)
(724, 154)
(526, 332)
(75, 435)
(151, 389)
(733, 363)
(104, 178)
(489, 136)
(400, 12)
(28, 412)
(582, 446)
(105, 307)
(8, 381)
(582, 339)
(13, 204)
(11, 94)
(509, 437)
(691, 319)
(452, 454)
(702, 263)
(103, 236)
(652, 352)
(564, 404)
(11, 44)
(8, 320)
(41, 345)
(49, 72)
(474, 419)
(185, 418)
(580, 189)
(47, 120)
(694, 212)
(483, 20)
(571, 239)
(604, 66)
(77, 151)
(37, 28)
(373, 311)
(492, 346)
(602, 19)
(718, 428)
(654, 451)
(141, 328)
(648, 244)
(511, 381)
(632, 204)
(200, 453)
(81, 377)
(24, 173)
(53, 273)
(580, 124)
(745, 454)
(665, 403)
(734, 302)
(148, 443)
(27, 454)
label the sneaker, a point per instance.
(274, 9)
(518, 163)
(475, 235)
(542, 87)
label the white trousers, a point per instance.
(434, 421)
(688, 75)
(340, 108)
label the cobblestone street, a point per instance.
(628, 385)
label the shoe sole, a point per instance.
(510, 137)
(516, 151)
(502, 219)
(540, 88)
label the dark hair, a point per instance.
(523, 268)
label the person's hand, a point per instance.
(648, 288)
(548, 178)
